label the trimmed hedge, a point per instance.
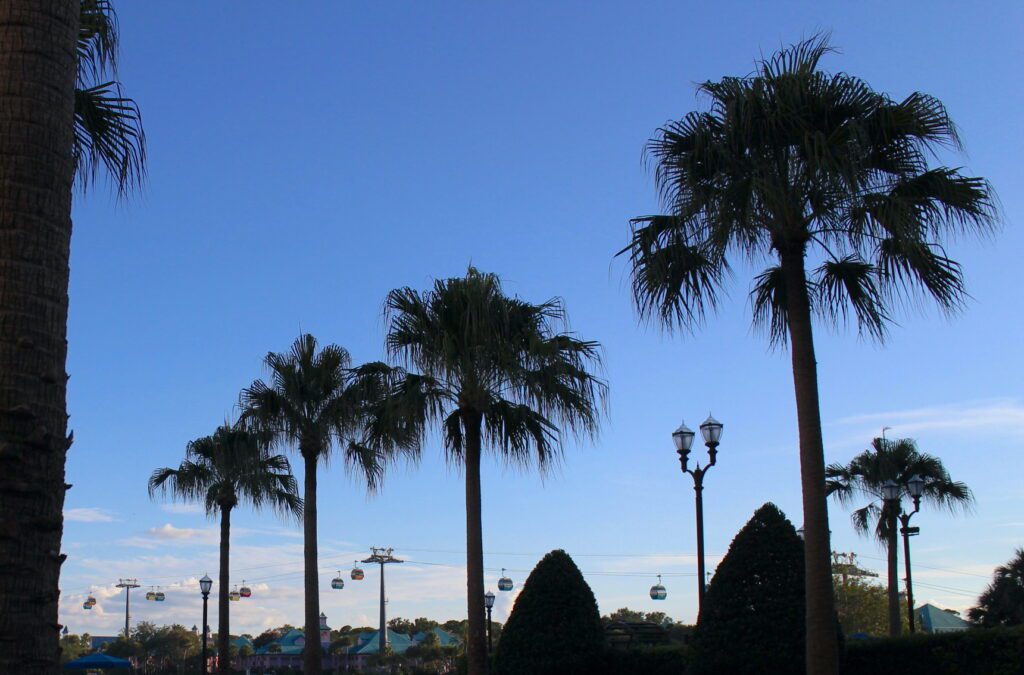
(554, 628)
(979, 651)
(661, 660)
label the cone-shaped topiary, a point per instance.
(555, 627)
(753, 615)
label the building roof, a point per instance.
(291, 642)
(369, 643)
(936, 620)
(444, 638)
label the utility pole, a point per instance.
(127, 585)
(382, 556)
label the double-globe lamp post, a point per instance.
(891, 494)
(205, 584)
(711, 430)
(488, 605)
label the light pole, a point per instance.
(711, 430)
(891, 497)
(915, 486)
(205, 584)
(488, 605)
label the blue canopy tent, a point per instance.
(97, 662)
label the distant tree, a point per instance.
(1002, 603)
(423, 624)
(315, 402)
(400, 625)
(73, 646)
(220, 471)
(266, 637)
(863, 607)
(554, 628)
(898, 460)
(753, 615)
(274, 649)
(624, 614)
(123, 649)
(339, 644)
(496, 375)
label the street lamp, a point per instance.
(891, 497)
(711, 430)
(205, 584)
(488, 605)
(915, 486)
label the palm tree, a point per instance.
(1002, 602)
(866, 475)
(44, 57)
(221, 471)
(827, 183)
(317, 401)
(494, 373)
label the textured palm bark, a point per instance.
(895, 623)
(822, 647)
(476, 637)
(311, 659)
(223, 606)
(38, 66)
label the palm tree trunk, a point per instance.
(894, 573)
(223, 606)
(476, 637)
(822, 648)
(38, 65)
(311, 661)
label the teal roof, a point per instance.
(242, 641)
(396, 641)
(935, 620)
(286, 642)
(444, 638)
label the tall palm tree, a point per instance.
(221, 471)
(43, 65)
(316, 401)
(495, 373)
(896, 460)
(827, 183)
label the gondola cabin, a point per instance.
(357, 573)
(337, 583)
(504, 583)
(86, 605)
(658, 591)
(150, 595)
(234, 596)
(90, 600)
(245, 591)
(160, 597)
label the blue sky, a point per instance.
(304, 163)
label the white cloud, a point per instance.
(88, 515)
(183, 509)
(168, 531)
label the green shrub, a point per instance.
(752, 620)
(662, 660)
(555, 627)
(979, 651)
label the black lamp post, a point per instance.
(205, 584)
(915, 486)
(711, 430)
(891, 497)
(488, 605)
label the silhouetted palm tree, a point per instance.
(895, 460)
(221, 471)
(495, 373)
(827, 183)
(61, 115)
(1002, 603)
(316, 401)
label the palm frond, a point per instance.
(851, 283)
(109, 134)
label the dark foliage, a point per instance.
(753, 615)
(555, 626)
(1002, 603)
(664, 660)
(983, 651)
